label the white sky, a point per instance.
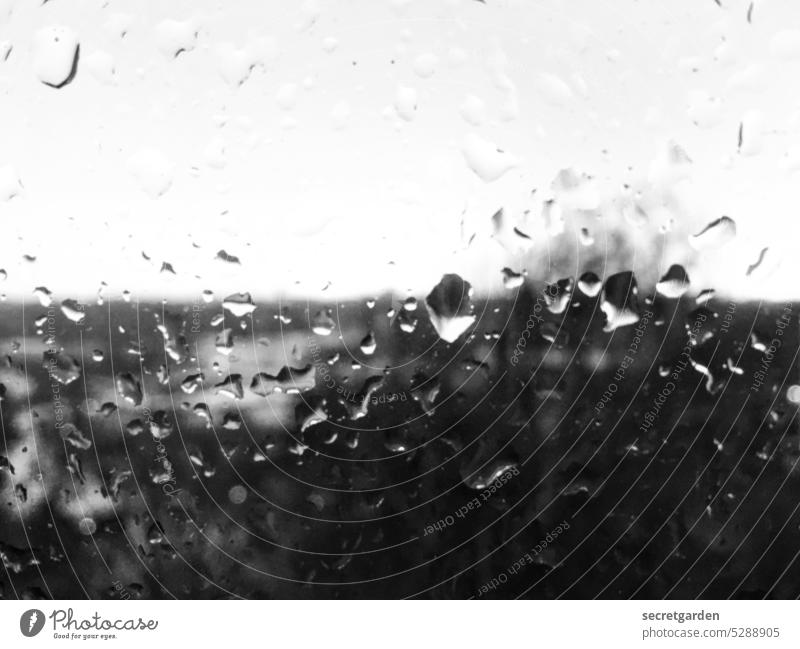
(341, 156)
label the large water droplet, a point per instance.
(61, 366)
(590, 284)
(55, 55)
(239, 304)
(129, 388)
(322, 324)
(368, 344)
(715, 235)
(674, 283)
(619, 301)
(484, 158)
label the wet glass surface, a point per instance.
(441, 299)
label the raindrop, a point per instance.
(704, 297)
(410, 304)
(239, 304)
(134, 427)
(558, 295)
(71, 434)
(450, 307)
(290, 380)
(473, 110)
(61, 366)
(55, 55)
(674, 283)
(231, 421)
(425, 65)
(224, 341)
(10, 184)
(512, 280)
(174, 37)
(323, 324)
(231, 387)
(192, 382)
(129, 388)
(487, 161)
(44, 296)
(204, 412)
(405, 102)
(619, 301)
(87, 526)
(161, 425)
(715, 235)
(73, 311)
(368, 344)
(590, 284)
(152, 170)
(237, 494)
(228, 258)
(408, 323)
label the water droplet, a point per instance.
(786, 44)
(231, 421)
(322, 323)
(619, 301)
(192, 382)
(161, 425)
(487, 161)
(450, 307)
(705, 296)
(73, 310)
(224, 341)
(590, 284)
(44, 296)
(70, 434)
(55, 55)
(405, 102)
(239, 304)
(87, 526)
(152, 170)
(309, 413)
(61, 366)
(674, 283)
(10, 184)
(237, 494)
(425, 392)
(204, 412)
(134, 427)
(558, 295)
(174, 37)
(290, 380)
(368, 344)
(473, 110)
(408, 323)
(129, 388)
(231, 387)
(715, 235)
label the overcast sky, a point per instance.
(352, 146)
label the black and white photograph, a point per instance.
(327, 301)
